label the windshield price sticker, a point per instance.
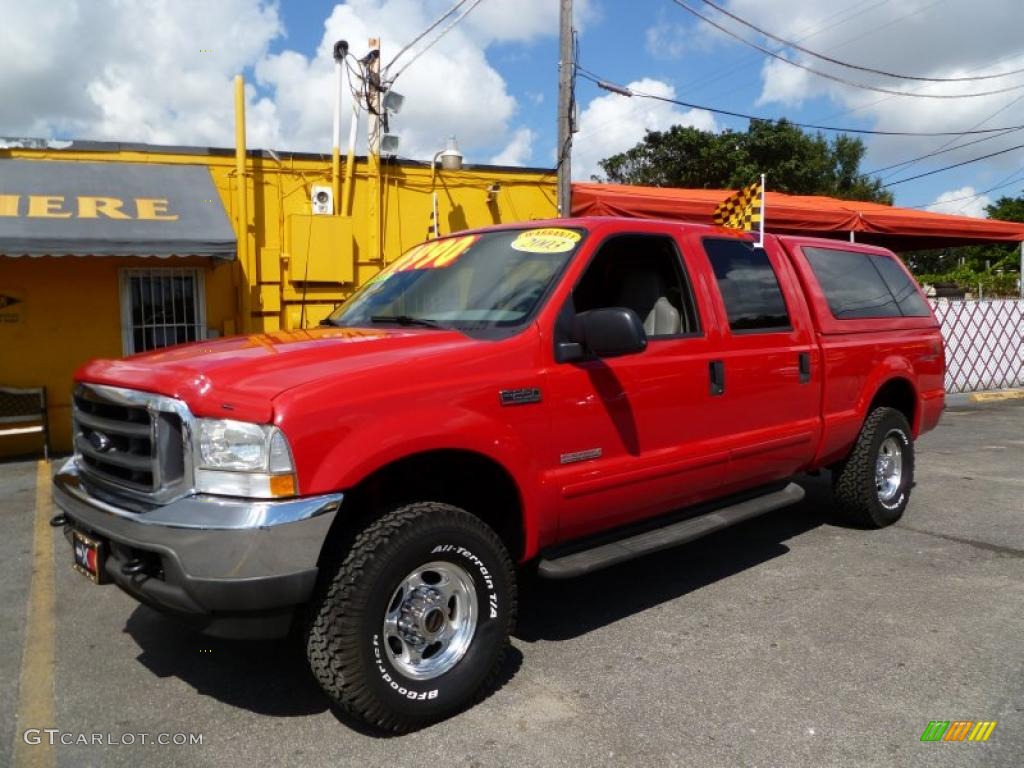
(435, 254)
(550, 240)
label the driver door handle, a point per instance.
(804, 360)
(716, 372)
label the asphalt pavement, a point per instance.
(789, 640)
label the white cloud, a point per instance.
(668, 40)
(962, 202)
(786, 84)
(917, 37)
(160, 72)
(135, 71)
(520, 20)
(519, 150)
(614, 123)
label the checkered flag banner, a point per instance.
(744, 209)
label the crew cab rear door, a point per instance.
(768, 366)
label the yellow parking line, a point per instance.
(35, 695)
(1002, 394)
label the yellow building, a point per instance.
(108, 249)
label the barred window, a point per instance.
(160, 307)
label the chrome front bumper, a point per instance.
(215, 554)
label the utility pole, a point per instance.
(374, 246)
(565, 72)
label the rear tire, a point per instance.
(414, 624)
(872, 485)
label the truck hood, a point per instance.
(240, 376)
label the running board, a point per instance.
(601, 556)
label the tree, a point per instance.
(796, 162)
(993, 265)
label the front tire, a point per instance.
(414, 624)
(872, 485)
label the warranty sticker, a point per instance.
(550, 240)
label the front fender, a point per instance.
(359, 453)
(359, 450)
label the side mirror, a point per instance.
(609, 332)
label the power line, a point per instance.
(842, 17)
(458, 19)
(1000, 185)
(1006, 181)
(608, 85)
(836, 78)
(867, 105)
(954, 165)
(815, 54)
(941, 151)
(425, 32)
(943, 147)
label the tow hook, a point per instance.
(133, 567)
(58, 521)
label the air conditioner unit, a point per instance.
(323, 200)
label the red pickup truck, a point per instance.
(565, 395)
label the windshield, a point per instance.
(491, 280)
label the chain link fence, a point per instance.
(984, 343)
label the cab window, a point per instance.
(748, 286)
(643, 273)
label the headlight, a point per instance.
(237, 458)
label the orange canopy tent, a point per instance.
(900, 229)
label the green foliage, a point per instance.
(995, 266)
(796, 162)
(1006, 209)
(990, 283)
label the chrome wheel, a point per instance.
(889, 468)
(430, 620)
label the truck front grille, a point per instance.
(126, 442)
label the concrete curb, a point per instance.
(1002, 394)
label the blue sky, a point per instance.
(138, 76)
(617, 41)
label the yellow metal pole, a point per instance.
(242, 228)
(350, 160)
(336, 135)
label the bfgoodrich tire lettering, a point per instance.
(346, 640)
(860, 494)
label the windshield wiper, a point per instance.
(407, 320)
(327, 323)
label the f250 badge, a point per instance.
(522, 396)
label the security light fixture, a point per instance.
(450, 157)
(393, 102)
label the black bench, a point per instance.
(23, 412)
